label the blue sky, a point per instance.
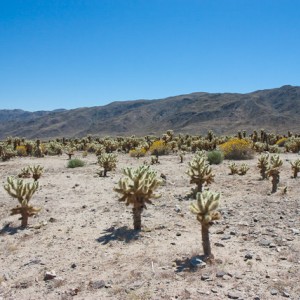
(82, 53)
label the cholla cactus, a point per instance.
(243, 169)
(200, 173)
(37, 172)
(233, 169)
(263, 164)
(273, 171)
(23, 192)
(70, 152)
(295, 167)
(154, 160)
(205, 209)
(137, 188)
(108, 162)
(25, 173)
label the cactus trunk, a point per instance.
(25, 216)
(275, 181)
(206, 241)
(137, 222)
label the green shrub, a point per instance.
(75, 163)
(215, 157)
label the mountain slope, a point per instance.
(276, 110)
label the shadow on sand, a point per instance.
(118, 234)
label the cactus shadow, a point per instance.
(124, 234)
(191, 264)
(7, 229)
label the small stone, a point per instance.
(295, 231)
(226, 237)
(73, 266)
(232, 232)
(49, 275)
(285, 294)
(197, 263)
(264, 243)
(226, 277)
(177, 208)
(214, 290)
(273, 292)
(220, 274)
(248, 256)
(256, 298)
(98, 284)
(219, 244)
(205, 277)
(234, 295)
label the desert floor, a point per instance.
(83, 236)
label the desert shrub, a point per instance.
(159, 148)
(21, 150)
(75, 163)
(138, 152)
(292, 144)
(215, 157)
(281, 142)
(237, 149)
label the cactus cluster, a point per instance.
(200, 173)
(273, 171)
(23, 193)
(108, 162)
(206, 210)
(295, 167)
(137, 188)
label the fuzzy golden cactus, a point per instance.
(273, 171)
(243, 169)
(25, 173)
(200, 172)
(23, 193)
(37, 172)
(263, 164)
(108, 162)
(295, 167)
(205, 209)
(233, 168)
(137, 188)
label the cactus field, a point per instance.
(83, 239)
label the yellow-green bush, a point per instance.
(281, 142)
(159, 148)
(21, 150)
(237, 149)
(138, 152)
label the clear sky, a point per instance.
(78, 53)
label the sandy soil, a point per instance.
(84, 235)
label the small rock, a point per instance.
(214, 290)
(98, 284)
(49, 275)
(177, 208)
(232, 232)
(205, 277)
(226, 277)
(220, 274)
(234, 295)
(248, 256)
(219, 244)
(73, 266)
(295, 231)
(226, 237)
(178, 234)
(273, 292)
(285, 294)
(197, 263)
(264, 243)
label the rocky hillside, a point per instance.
(276, 110)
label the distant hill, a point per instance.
(276, 110)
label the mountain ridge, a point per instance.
(225, 113)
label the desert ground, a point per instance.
(82, 245)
